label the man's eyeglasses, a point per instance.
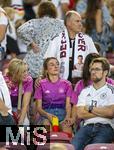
(95, 69)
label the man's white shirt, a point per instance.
(4, 93)
(101, 97)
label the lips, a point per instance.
(93, 77)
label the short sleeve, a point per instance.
(77, 90)
(69, 90)
(38, 92)
(82, 99)
(28, 87)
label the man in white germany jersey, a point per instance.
(96, 107)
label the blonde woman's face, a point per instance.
(21, 73)
(25, 72)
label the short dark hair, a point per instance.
(80, 56)
(47, 9)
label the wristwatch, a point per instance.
(90, 108)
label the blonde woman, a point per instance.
(20, 85)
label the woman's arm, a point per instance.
(25, 106)
(42, 111)
(74, 114)
(68, 108)
(26, 32)
(99, 21)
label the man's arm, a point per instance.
(92, 48)
(106, 112)
(83, 113)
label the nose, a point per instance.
(56, 65)
(80, 24)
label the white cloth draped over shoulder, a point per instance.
(3, 21)
(4, 93)
(59, 47)
(40, 31)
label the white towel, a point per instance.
(59, 47)
(80, 48)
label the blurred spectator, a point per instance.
(62, 7)
(18, 6)
(29, 7)
(3, 31)
(82, 5)
(12, 46)
(22, 46)
(5, 3)
(111, 7)
(37, 34)
(29, 12)
(20, 85)
(95, 25)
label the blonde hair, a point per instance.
(16, 69)
(9, 11)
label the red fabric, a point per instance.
(72, 4)
(69, 134)
(55, 128)
(15, 117)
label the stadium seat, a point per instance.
(100, 146)
(13, 147)
(48, 145)
(58, 138)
